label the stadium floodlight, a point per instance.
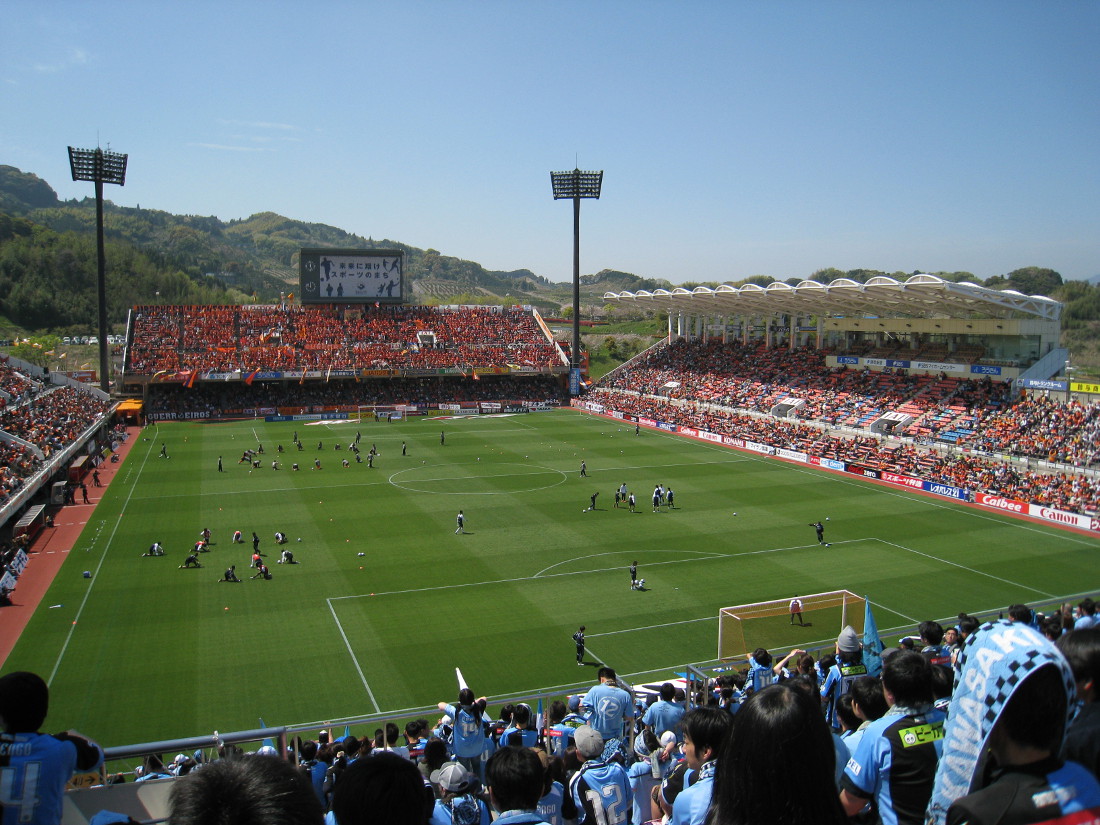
(100, 167)
(576, 185)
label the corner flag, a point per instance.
(872, 644)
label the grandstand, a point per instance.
(943, 415)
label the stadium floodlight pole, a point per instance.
(576, 185)
(100, 167)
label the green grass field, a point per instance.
(143, 650)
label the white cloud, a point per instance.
(75, 57)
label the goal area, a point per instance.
(745, 627)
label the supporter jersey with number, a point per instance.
(469, 734)
(34, 769)
(601, 792)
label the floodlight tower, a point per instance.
(101, 167)
(576, 185)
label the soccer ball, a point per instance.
(735, 514)
(299, 538)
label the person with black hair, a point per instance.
(515, 777)
(611, 707)
(1021, 613)
(706, 734)
(933, 649)
(665, 714)
(868, 703)
(1086, 615)
(1026, 781)
(382, 789)
(191, 561)
(760, 670)
(469, 727)
(1082, 650)
(36, 761)
(777, 729)
(578, 637)
(895, 762)
(258, 790)
(520, 728)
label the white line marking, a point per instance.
(354, 658)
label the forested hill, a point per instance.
(47, 259)
(48, 266)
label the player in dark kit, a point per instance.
(634, 575)
(578, 637)
(820, 528)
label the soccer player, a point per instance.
(796, 611)
(461, 523)
(657, 499)
(584, 470)
(578, 637)
(262, 572)
(191, 561)
(156, 549)
(593, 505)
(820, 528)
(163, 451)
(634, 576)
(36, 767)
(630, 501)
(670, 497)
(231, 574)
(237, 537)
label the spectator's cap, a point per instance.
(447, 720)
(589, 741)
(267, 750)
(667, 738)
(574, 703)
(197, 756)
(848, 641)
(180, 759)
(452, 777)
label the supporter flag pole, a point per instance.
(872, 644)
(267, 741)
(461, 680)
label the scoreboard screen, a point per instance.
(342, 276)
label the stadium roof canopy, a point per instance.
(920, 296)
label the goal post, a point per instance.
(745, 627)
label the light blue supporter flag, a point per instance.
(872, 644)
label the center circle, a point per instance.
(478, 479)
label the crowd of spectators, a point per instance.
(973, 413)
(852, 735)
(171, 339)
(220, 398)
(48, 417)
(976, 473)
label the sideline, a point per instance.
(50, 549)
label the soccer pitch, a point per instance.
(388, 600)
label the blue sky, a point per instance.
(736, 138)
